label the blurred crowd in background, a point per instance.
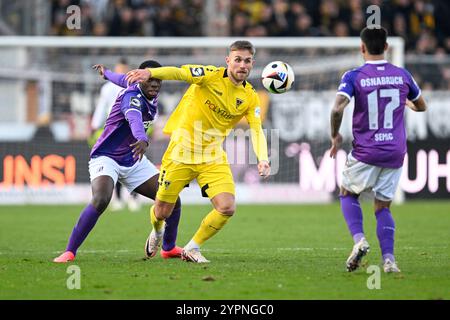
(424, 24)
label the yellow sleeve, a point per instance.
(259, 141)
(193, 74)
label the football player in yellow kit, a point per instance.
(215, 101)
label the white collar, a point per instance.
(376, 61)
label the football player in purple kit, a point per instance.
(381, 91)
(119, 156)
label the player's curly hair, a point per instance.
(150, 64)
(243, 45)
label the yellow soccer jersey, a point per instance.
(209, 109)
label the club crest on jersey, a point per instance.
(197, 71)
(238, 102)
(135, 102)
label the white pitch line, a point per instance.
(223, 250)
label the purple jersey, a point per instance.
(130, 115)
(380, 90)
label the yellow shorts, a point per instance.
(213, 178)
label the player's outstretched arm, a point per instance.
(116, 78)
(418, 105)
(100, 69)
(188, 73)
(337, 112)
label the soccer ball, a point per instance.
(277, 77)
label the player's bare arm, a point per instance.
(418, 105)
(139, 148)
(336, 119)
(137, 75)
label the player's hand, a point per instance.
(100, 69)
(137, 75)
(335, 145)
(264, 168)
(410, 105)
(139, 148)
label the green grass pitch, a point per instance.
(265, 252)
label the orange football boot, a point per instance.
(65, 257)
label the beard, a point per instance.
(240, 76)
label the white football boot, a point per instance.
(390, 266)
(153, 243)
(193, 255)
(360, 249)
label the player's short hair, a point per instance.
(242, 45)
(149, 64)
(374, 39)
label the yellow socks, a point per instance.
(210, 225)
(157, 224)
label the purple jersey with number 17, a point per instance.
(380, 90)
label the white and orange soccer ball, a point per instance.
(278, 77)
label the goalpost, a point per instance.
(49, 81)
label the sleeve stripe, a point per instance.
(418, 96)
(132, 109)
(345, 94)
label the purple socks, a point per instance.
(385, 225)
(385, 233)
(171, 229)
(89, 217)
(86, 222)
(353, 216)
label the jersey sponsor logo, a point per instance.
(197, 71)
(238, 102)
(221, 112)
(135, 102)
